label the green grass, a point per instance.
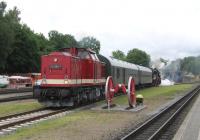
(18, 107)
(153, 92)
(39, 128)
(50, 125)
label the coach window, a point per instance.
(118, 73)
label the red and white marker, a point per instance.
(131, 92)
(109, 90)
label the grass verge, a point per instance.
(9, 108)
(69, 123)
(154, 92)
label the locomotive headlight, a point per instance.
(66, 81)
(55, 59)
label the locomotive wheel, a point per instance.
(109, 92)
(131, 92)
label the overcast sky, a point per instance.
(163, 28)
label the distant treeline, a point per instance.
(21, 48)
(177, 69)
(134, 56)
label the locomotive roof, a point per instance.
(79, 48)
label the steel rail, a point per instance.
(20, 114)
(29, 119)
(8, 99)
(11, 91)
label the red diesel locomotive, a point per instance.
(70, 76)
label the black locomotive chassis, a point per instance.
(63, 96)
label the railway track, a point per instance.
(10, 123)
(15, 96)
(10, 91)
(158, 126)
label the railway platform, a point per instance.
(190, 128)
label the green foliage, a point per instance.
(90, 42)
(119, 55)
(139, 57)
(24, 50)
(7, 34)
(135, 56)
(3, 6)
(191, 65)
(59, 40)
(20, 48)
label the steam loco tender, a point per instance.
(72, 76)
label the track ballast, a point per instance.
(12, 122)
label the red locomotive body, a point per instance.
(70, 76)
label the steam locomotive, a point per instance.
(72, 76)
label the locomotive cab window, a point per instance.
(94, 57)
(83, 55)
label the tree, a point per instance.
(6, 41)
(59, 40)
(139, 57)
(25, 55)
(90, 42)
(119, 55)
(3, 6)
(43, 44)
(7, 26)
(191, 64)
